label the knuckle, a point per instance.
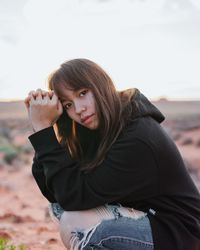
(31, 92)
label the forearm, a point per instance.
(38, 174)
(69, 185)
(112, 181)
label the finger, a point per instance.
(44, 93)
(26, 101)
(32, 100)
(39, 96)
(50, 94)
(54, 98)
(39, 89)
(39, 92)
(33, 93)
(30, 93)
(46, 98)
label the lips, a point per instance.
(84, 119)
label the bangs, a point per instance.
(66, 78)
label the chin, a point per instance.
(93, 126)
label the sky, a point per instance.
(153, 45)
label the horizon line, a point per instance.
(154, 99)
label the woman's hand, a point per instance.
(44, 108)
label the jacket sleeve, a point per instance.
(38, 174)
(128, 168)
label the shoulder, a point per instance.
(134, 137)
(137, 127)
(142, 134)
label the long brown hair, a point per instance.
(113, 108)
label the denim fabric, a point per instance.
(120, 233)
(55, 211)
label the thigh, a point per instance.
(123, 233)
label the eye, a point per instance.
(82, 93)
(68, 105)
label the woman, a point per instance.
(106, 155)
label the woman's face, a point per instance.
(80, 106)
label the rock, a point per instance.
(13, 218)
(52, 240)
(5, 235)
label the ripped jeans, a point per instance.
(118, 228)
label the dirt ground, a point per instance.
(24, 211)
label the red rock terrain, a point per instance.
(23, 209)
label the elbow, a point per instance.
(66, 200)
(71, 202)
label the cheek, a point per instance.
(70, 114)
(91, 103)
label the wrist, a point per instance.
(38, 127)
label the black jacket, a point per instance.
(143, 169)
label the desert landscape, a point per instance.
(24, 218)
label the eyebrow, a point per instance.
(63, 99)
(66, 98)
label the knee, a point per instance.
(64, 229)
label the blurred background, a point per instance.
(153, 45)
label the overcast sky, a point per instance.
(153, 45)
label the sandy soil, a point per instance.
(191, 153)
(23, 211)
